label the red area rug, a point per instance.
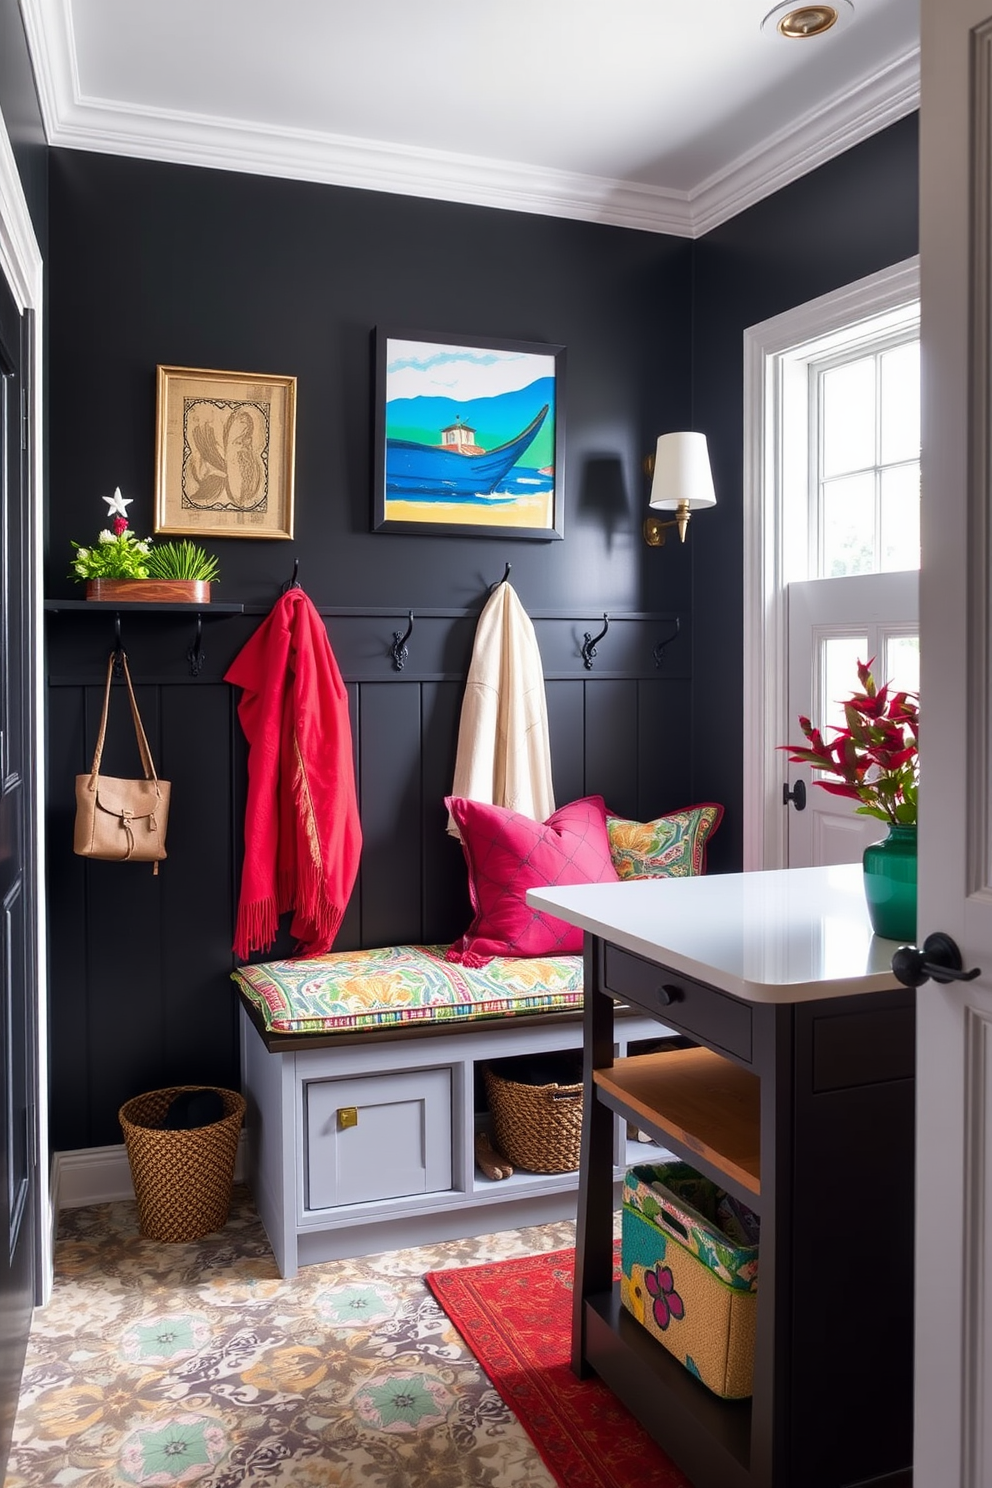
(516, 1317)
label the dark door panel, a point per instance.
(18, 1063)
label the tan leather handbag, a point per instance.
(121, 820)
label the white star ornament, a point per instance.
(117, 504)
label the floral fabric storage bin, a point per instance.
(689, 1264)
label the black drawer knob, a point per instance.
(669, 993)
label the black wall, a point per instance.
(855, 215)
(155, 263)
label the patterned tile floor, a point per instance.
(156, 1365)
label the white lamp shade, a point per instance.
(682, 473)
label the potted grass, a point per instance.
(185, 567)
(122, 567)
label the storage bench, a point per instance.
(362, 1077)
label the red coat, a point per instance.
(303, 837)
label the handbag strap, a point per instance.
(147, 764)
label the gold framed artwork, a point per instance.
(225, 446)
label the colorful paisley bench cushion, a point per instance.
(394, 985)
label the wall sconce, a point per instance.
(681, 482)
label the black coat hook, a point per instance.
(294, 582)
(659, 651)
(506, 575)
(196, 655)
(399, 651)
(590, 643)
(119, 653)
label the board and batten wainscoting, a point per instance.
(141, 965)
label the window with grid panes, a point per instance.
(865, 458)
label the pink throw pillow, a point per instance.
(507, 854)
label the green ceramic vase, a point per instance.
(890, 884)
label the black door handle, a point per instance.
(797, 795)
(939, 958)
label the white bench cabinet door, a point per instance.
(400, 1143)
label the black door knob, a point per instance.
(797, 795)
(939, 958)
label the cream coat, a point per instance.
(504, 750)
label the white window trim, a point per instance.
(766, 721)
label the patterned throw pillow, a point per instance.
(673, 846)
(506, 855)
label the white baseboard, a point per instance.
(101, 1175)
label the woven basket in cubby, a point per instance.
(537, 1127)
(182, 1179)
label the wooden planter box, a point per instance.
(149, 591)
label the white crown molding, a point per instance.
(99, 125)
(842, 122)
(52, 48)
(75, 121)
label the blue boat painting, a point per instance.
(458, 466)
(469, 436)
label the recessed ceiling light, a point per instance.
(799, 22)
(809, 20)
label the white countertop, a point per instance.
(789, 935)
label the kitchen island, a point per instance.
(789, 1081)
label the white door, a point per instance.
(831, 495)
(953, 1447)
(834, 624)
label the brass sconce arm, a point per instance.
(654, 527)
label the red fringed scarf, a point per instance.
(302, 832)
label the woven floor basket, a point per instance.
(537, 1127)
(182, 1179)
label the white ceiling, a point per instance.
(667, 115)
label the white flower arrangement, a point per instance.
(117, 554)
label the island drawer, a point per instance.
(690, 1006)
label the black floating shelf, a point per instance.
(112, 609)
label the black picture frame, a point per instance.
(458, 421)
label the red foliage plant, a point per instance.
(876, 756)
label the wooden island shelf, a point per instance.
(694, 1098)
